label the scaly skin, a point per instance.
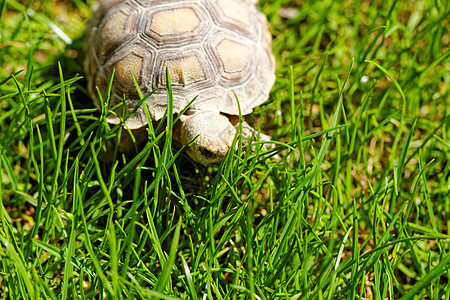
(213, 134)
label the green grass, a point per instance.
(358, 207)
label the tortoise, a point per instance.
(217, 52)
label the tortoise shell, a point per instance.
(216, 50)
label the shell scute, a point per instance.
(136, 60)
(233, 14)
(214, 51)
(175, 25)
(118, 27)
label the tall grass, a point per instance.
(356, 208)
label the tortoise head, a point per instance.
(214, 134)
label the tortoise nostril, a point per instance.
(206, 153)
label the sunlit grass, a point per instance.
(357, 206)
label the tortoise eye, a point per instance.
(206, 153)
